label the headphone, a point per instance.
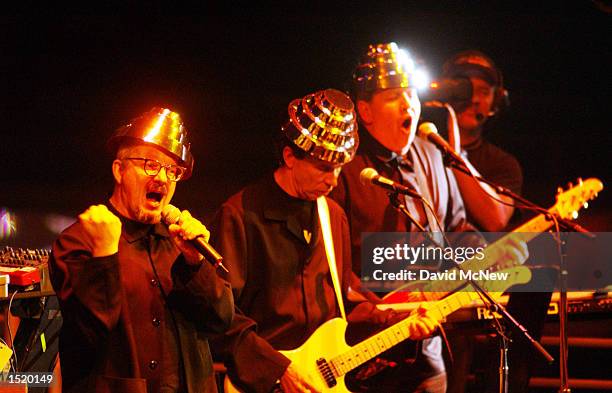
(475, 63)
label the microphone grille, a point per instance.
(427, 128)
(367, 175)
(171, 214)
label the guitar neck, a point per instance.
(395, 334)
(528, 230)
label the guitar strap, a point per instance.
(323, 211)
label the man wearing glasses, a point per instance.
(135, 296)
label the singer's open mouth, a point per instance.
(406, 124)
(154, 196)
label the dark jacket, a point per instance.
(125, 314)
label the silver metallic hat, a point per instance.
(324, 125)
(384, 66)
(159, 127)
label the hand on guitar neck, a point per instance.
(512, 251)
(420, 324)
(508, 252)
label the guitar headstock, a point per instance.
(576, 197)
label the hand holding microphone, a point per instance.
(191, 237)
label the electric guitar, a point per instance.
(567, 205)
(325, 358)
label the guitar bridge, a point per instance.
(326, 372)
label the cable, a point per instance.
(433, 213)
(8, 324)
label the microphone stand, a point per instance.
(563, 273)
(397, 203)
(563, 345)
(492, 304)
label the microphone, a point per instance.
(429, 132)
(371, 176)
(171, 215)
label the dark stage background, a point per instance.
(68, 82)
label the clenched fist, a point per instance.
(103, 229)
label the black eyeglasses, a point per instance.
(152, 168)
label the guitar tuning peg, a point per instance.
(574, 214)
(585, 205)
(580, 182)
(569, 185)
(559, 190)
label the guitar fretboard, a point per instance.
(395, 334)
(529, 231)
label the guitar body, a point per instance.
(329, 340)
(325, 343)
